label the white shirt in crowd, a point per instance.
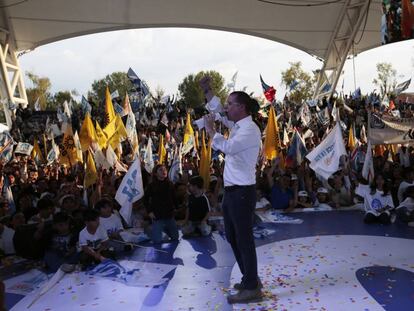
(241, 150)
(401, 189)
(374, 203)
(93, 240)
(6, 241)
(111, 224)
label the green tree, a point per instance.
(40, 90)
(115, 81)
(306, 82)
(191, 93)
(60, 97)
(386, 78)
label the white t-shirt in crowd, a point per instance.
(6, 241)
(401, 189)
(92, 240)
(374, 203)
(111, 224)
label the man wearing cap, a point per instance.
(241, 150)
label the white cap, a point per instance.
(322, 190)
(302, 193)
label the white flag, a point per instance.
(37, 106)
(285, 140)
(325, 157)
(115, 94)
(53, 153)
(363, 135)
(130, 190)
(148, 158)
(24, 148)
(368, 168)
(100, 160)
(176, 168)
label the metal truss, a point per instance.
(352, 15)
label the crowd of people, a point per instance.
(47, 213)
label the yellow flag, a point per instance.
(87, 133)
(205, 161)
(120, 132)
(101, 136)
(272, 141)
(68, 153)
(189, 132)
(351, 138)
(196, 140)
(91, 176)
(161, 150)
(36, 152)
(109, 108)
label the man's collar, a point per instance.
(243, 121)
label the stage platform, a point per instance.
(331, 261)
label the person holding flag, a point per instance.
(242, 150)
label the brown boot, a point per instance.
(245, 295)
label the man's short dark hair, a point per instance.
(197, 181)
(251, 105)
(90, 215)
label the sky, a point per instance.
(164, 56)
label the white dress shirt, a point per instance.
(241, 150)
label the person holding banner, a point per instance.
(242, 150)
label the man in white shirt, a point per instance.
(409, 181)
(241, 151)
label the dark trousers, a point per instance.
(238, 210)
(405, 215)
(383, 218)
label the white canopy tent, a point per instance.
(327, 29)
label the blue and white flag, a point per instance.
(325, 157)
(86, 107)
(130, 190)
(114, 94)
(312, 102)
(6, 147)
(53, 154)
(132, 273)
(139, 84)
(326, 88)
(356, 94)
(402, 87)
(8, 195)
(323, 117)
(176, 168)
(296, 152)
(118, 109)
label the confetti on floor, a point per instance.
(319, 273)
